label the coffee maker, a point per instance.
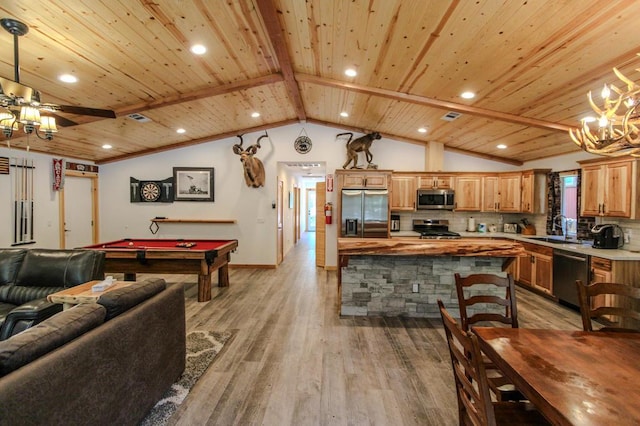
(395, 222)
(607, 236)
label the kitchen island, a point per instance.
(406, 277)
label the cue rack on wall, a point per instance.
(22, 174)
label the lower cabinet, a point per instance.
(601, 271)
(536, 269)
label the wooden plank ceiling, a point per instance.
(531, 64)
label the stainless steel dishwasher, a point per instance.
(567, 268)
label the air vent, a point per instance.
(139, 117)
(303, 165)
(450, 116)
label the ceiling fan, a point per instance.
(17, 101)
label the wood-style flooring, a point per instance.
(294, 361)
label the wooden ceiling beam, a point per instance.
(200, 94)
(274, 30)
(435, 103)
(192, 142)
(419, 142)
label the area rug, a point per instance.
(202, 348)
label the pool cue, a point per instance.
(31, 172)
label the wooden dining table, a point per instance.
(572, 377)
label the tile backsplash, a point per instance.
(458, 222)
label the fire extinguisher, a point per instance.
(328, 211)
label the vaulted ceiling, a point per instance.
(530, 63)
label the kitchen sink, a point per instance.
(553, 240)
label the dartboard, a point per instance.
(150, 191)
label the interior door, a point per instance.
(311, 210)
(321, 235)
(78, 212)
(280, 222)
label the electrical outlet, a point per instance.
(627, 237)
(416, 287)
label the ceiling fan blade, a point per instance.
(60, 120)
(95, 112)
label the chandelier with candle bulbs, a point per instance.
(615, 132)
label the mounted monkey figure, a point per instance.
(253, 167)
(361, 144)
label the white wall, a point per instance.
(250, 207)
(46, 216)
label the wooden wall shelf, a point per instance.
(156, 220)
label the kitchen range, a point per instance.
(434, 229)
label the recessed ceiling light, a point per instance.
(501, 146)
(422, 130)
(344, 114)
(350, 72)
(589, 119)
(255, 114)
(106, 146)
(180, 130)
(198, 49)
(467, 95)
(68, 78)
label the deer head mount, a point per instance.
(361, 144)
(253, 167)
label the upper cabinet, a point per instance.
(608, 188)
(403, 192)
(534, 191)
(490, 193)
(509, 191)
(468, 193)
(364, 179)
(435, 181)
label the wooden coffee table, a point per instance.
(82, 293)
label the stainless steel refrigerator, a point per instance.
(365, 213)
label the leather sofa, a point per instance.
(27, 276)
(104, 363)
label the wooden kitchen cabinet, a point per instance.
(601, 271)
(365, 179)
(509, 190)
(403, 193)
(490, 194)
(468, 193)
(608, 189)
(435, 181)
(534, 191)
(536, 269)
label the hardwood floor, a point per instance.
(294, 361)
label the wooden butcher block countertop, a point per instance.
(412, 246)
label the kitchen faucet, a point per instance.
(553, 224)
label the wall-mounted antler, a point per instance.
(253, 167)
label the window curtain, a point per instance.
(554, 200)
(554, 196)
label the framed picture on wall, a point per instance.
(193, 183)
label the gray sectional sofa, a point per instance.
(96, 364)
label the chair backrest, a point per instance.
(472, 388)
(616, 305)
(490, 298)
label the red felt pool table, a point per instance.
(202, 257)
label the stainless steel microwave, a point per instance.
(435, 199)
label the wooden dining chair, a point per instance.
(479, 305)
(612, 304)
(472, 388)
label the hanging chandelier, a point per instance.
(31, 121)
(615, 131)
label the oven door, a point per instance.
(435, 199)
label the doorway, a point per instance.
(311, 210)
(78, 207)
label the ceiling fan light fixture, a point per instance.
(48, 124)
(29, 116)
